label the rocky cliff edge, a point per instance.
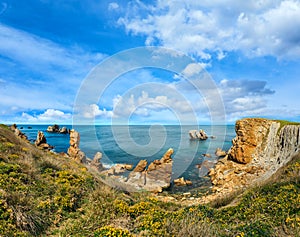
(259, 149)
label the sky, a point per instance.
(49, 49)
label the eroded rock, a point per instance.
(220, 153)
(258, 151)
(199, 135)
(156, 177)
(74, 151)
(182, 182)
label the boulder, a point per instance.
(206, 155)
(220, 153)
(182, 182)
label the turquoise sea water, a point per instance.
(129, 144)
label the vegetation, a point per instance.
(284, 123)
(44, 194)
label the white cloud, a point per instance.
(113, 6)
(144, 104)
(50, 115)
(256, 28)
(93, 111)
(192, 69)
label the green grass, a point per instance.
(284, 123)
(42, 194)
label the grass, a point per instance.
(43, 194)
(284, 123)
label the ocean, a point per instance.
(129, 144)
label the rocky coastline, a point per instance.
(260, 148)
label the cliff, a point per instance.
(259, 149)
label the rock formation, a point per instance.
(118, 169)
(41, 141)
(204, 167)
(156, 177)
(74, 151)
(260, 148)
(198, 135)
(182, 182)
(18, 132)
(56, 129)
(96, 162)
(220, 153)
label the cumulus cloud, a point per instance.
(50, 115)
(144, 104)
(244, 97)
(93, 111)
(256, 28)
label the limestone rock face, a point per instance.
(74, 151)
(249, 142)
(258, 151)
(156, 177)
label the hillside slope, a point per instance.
(46, 194)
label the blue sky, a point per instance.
(251, 49)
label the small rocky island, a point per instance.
(56, 129)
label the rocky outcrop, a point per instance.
(41, 141)
(74, 151)
(198, 135)
(156, 177)
(141, 166)
(182, 182)
(18, 132)
(56, 129)
(204, 167)
(260, 148)
(220, 153)
(96, 162)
